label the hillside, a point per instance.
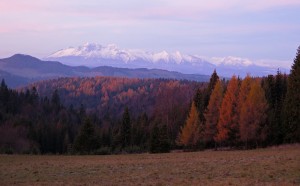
(109, 95)
(19, 70)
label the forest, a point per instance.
(105, 115)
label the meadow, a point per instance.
(270, 166)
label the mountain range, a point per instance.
(91, 60)
(19, 70)
(93, 55)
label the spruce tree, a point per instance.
(292, 103)
(126, 129)
(211, 85)
(159, 141)
(201, 99)
(86, 140)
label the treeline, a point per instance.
(248, 113)
(104, 115)
(110, 95)
(129, 115)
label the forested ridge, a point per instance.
(104, 115)
(52, 114)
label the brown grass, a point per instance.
(272, 166)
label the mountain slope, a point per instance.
(22, 69)
(30, 67)
(92, 55)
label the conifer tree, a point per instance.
(190, 133)
(253, 115)
(276, 127)
(228, 122)
(202, 97)
(292, 103)
(55, 101)
(159, 141)
(214, 78)
(212, 113)
(86, 140)
(126, 128)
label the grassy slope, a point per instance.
(272, 166)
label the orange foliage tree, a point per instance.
(190, 133)
(228, 122)
(253, 115)
(244, 92)
(212, 113)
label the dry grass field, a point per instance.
(271, 166)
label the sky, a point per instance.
(254, 29)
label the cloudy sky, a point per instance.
(254, 29)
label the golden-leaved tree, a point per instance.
(243, 93)
(227, 128)
(212, 113)
(253, 115)
(189, 134)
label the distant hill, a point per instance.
(165, 100)
(19, 70)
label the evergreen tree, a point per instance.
(126, 129)
(214, 78)
(292, 103)
(228, 122)
(190, 133)
(159, 141)
(199, 103)
(276, 127)
(202, 97)
(4, 94)
(55, 101)
(212, 113)
(139, 131)
(86, 141)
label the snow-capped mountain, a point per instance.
(93, 55)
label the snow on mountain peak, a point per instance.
(112, 51)
(161, 56)
(177, 57)
(93, 54)
(231, 60)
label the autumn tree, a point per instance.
(212, 113)
(292, 103)
(244, 92)
(190, 132)
(253, 115)
(228, 122)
